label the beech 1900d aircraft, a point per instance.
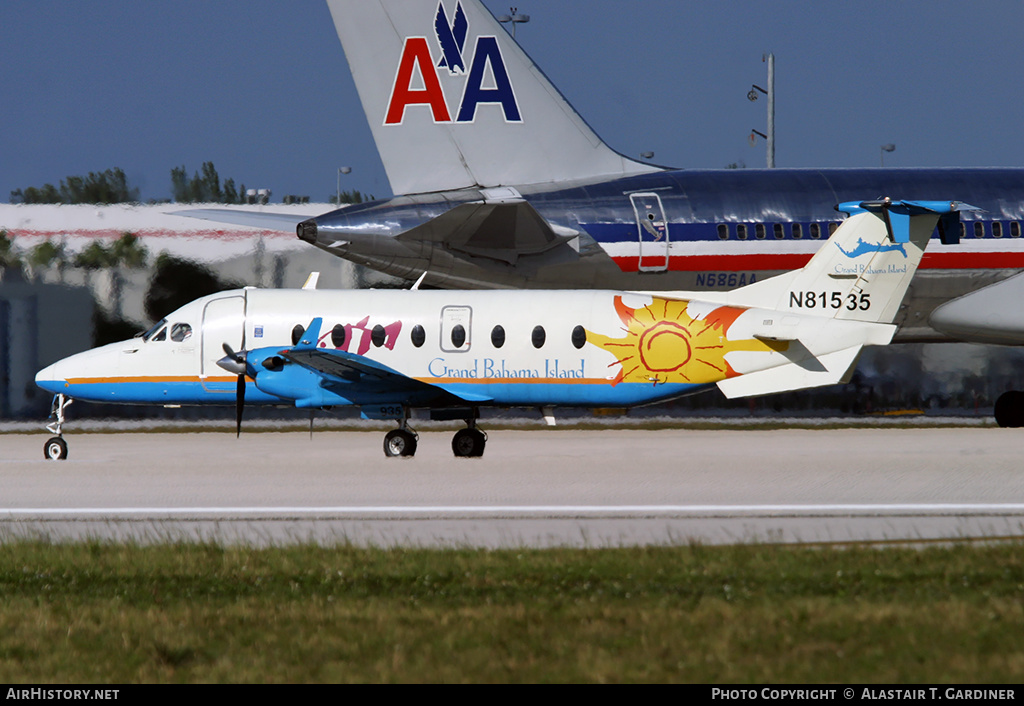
(499, 183)
(453, 352)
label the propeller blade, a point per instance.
(239, 404)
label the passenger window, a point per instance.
(741, 231)
(979, 229)
(997, 229)
(297, 334)
(759, 231)
(498, 336)
(815, 231)
(798, 231)
(832, 227)
(378, 335)
(418, 335)
(538, 337)
(723, 231)
(181, 332)
(779, 232)
(458, 335)
(579, 337)
(338, 336)
(1014, 229)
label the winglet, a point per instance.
(311, 336)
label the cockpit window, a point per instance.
(161, 335)
(156, 327)
(181, 332)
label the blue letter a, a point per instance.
(487, 51)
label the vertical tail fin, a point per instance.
(862, 273)
(454, 102)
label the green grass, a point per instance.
(97, 612)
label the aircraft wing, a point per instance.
(363, 381)
(258, 219)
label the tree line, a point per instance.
(112, 187)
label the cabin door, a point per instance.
(652, 230)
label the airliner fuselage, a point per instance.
(681, 230)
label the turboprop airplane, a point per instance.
(500, 183)
(453, 352)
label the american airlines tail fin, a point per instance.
(454, 102)
(862, 273)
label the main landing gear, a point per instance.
(467, 443)
(55, 448)
(401, 441)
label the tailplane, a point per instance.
(454, 102)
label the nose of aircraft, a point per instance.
(51, 378)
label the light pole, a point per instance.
(881, 153)
(515, 18)
(752, 96)
(341, 170)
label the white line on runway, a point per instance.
(567, 510)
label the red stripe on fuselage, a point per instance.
(793, 261)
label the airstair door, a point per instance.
(223, 322)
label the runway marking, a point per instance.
(569, 510)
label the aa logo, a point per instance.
(418, 79)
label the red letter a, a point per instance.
(416, 53)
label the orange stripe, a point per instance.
(179, 378)
(514, 381)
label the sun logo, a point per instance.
(663, 343)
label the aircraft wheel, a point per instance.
(469, 443)
(1009, 409)
(399, 442)
(55, 449)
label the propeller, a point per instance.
(235, 362)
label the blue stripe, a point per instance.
(624, 394)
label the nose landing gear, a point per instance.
(55, 448)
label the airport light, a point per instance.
(770, 93)
(515, 18)
(341, 170)
(882, 150)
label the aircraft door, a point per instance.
(223, 322)
(652, 230)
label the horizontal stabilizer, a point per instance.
(265, 221)
(828, 369)
(499, 230)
